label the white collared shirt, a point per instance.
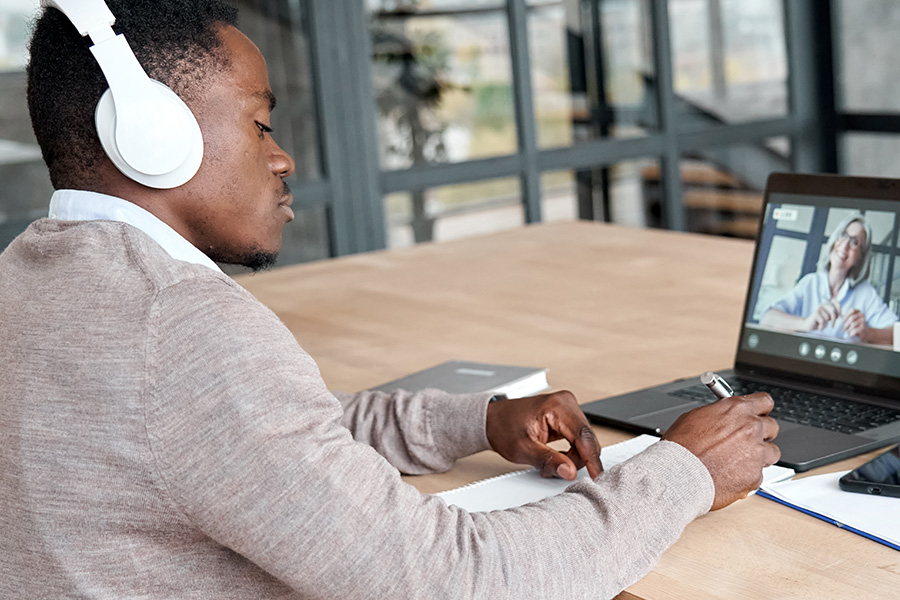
(79, 205)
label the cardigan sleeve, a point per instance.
(422, 432)
(251, 450)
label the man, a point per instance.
(164, 436)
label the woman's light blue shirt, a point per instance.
(813, 289)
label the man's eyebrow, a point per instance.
(267, 96)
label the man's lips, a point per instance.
(287, 198)
(285, 203)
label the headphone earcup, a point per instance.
(164, 143)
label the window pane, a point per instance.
(15, 16)
(730, 60)
(443, 86)
(871, 154)
(868, 72)
(576, 97)
(722, 187)
(718, 202)
(559, 198)
(25, 192)
(590, 193)
(454, 211)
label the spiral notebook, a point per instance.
(523, 487)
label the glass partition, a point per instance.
(591, 70)
(730, 60)
(443, 82)
(616, 193)
(867, 70)
(722, 186)
(454, 211)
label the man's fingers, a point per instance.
(587, 447)
(759, 403)
(762, 404)
(584, 452)
(569, 422)
(773, 453)
(557, 464)
(594, 467)
(521, 431)
(770, 429)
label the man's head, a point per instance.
(235, 208)
(175, 42)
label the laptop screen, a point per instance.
(824, 291)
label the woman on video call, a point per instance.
(837, 300)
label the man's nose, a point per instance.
(282, 164)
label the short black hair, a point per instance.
(176, 41)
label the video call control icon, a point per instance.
(804, 349)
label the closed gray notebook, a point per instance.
(460, 377)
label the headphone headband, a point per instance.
(86, 15)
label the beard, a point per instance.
(259, 260)
(254, 259)
(232, 252)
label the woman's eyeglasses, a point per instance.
(851, 241)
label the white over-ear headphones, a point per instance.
(147, 131)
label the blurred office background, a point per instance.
(420, 120)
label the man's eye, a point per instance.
(264, 128)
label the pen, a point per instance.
(717, 385)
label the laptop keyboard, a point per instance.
(805, 408)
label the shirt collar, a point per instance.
(79, 205)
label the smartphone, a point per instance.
(880, 476)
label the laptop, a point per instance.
(835, 396)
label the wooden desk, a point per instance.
(607, 310)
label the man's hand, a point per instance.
(520, 429)
(733, 438)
